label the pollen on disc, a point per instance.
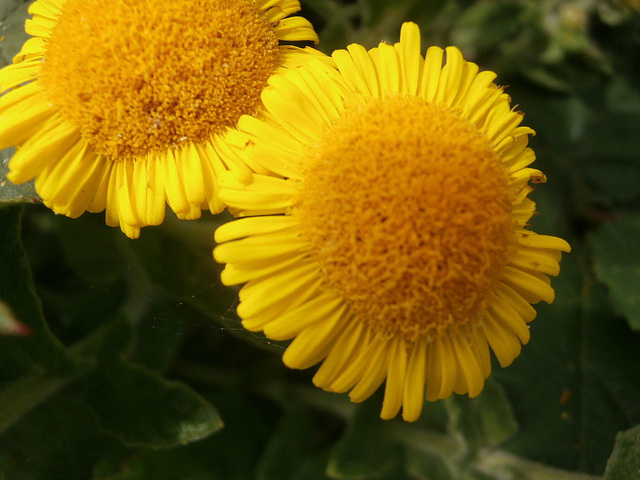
(408, 211)
(142, 76)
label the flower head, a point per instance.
(128, 105)
(387, 231)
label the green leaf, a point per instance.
(335, 28)
(231, 454)
(35, 365)
(334, 35)
(56, 440)
(424, 464)
(486, 420)
(368, 22)
(624, 463)
(384, 18)
(486, 23)
(578, 379)
(142, 409)
(109, 341)
(247, 427)
(75, 299)
(613, 181)
(314, 468)
(463, 423)
(7, 7)
(611, 377)
(435, 417)
(13, 14)
(362, 452)
(546, 78)
(161, 332)
(612, 135)
(48, 412)
(593, 147)
(181, 462)
(495, 415)
(621, 96)
(506, 474)
(575, 379)
(190, 274)
(21, 396)
(614, 14)
(616, 257)
(17, 293)
(325, 9)
(24, 394)
(290, 445)
(89, 248)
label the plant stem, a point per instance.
(493, 460)
(490, 461)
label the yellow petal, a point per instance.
(313, 343)
(373, 376)
(396, 374)
(504, 343)
(468, 367)
(410, 56)
(528, 284)
(291, 323)
(342, 353)
(431, 73)
(413, 397)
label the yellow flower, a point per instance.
(387, 231)
(130, 104)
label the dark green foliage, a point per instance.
(486, 420)
(363, 451)
(619, 267)
(624, 463)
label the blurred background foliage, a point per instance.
(124, 360)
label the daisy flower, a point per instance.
(387, 233)
(127, 105)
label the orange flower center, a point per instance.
(408, 210)
(142, 76)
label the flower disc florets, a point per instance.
(139, 77)
(408, 210)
